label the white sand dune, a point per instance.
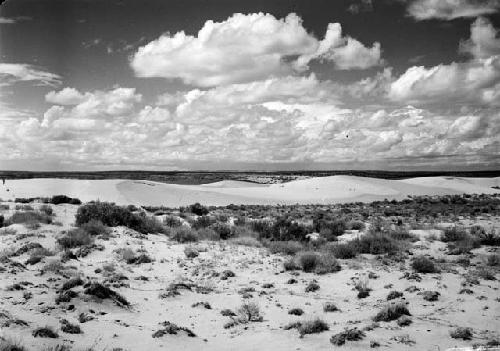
(332, 189)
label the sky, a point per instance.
(249, 85)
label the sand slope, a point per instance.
(305, 191)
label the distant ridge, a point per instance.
(204, 177)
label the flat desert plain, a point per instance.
(215, 281)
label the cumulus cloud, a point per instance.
(483, 40)
(16, 72)
(475, 81)
(344, 52)
(451, 9)
(115, 102)
(247, 48)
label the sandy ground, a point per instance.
(132, 328)
(321, 190)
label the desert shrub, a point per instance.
(172, 221)
(202, 222)
(485, 274)
(191, 252)
(285, 247)
(463, 246)
(207, 234)
(312, 287)
(70, 328)
(184, 235)
(477, 230)
(454, 234)
(404, 321)
(284, 229)
(2, 220)
(330, 307)
(249, 312)
(112, 215)
(392, 312)
(376, 244)
(461, 333)
(131, 257)
(95, 227)
(362, 287)
(71, 283)
(349, 334)
(45, 332)
(312, 327)
(401, 234)
(75, 238)
(356, 225)
(53, 266)
(489, 238)
(327, 264)
(10, 345)
(493, 260)
(222, 229)
(296, 311)
(46, 209)
(102, 292)
(63, 199)
(290, 265)
(38, 254)
(30, 217)
(422, 264)
(308, 261)
(394, 295)
(24, 208)
(198, 209)
(343, 251)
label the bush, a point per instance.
(198, 209)
(422, 264)
(95, 227)
(312, 327)
(63, 199)
(285, 247)
(184, 235)
(296, 311)
(308, 261)
(392, 312)
(202, 222)
(172, 221)
(454, 234)
(493, 260)
(45, 332)
(352, 334)
(343, 251)
(10, 345)
(356, 225)
(246, 241)
(46, 209)
(394, 295)
(112, 215)
(330, 307)
(249, 312)
(102, 292)
(75, 238)
(376, 244)
(461, 333)
(222, 229)
(191, 252)
(30, 218)
(207, 234)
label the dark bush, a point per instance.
(198, 209)
(285, 247)
(102, 292)
(422, 264)
(376, 244)
(352, 334)
(343, 251)
(95, 227)
(222, 229)
(184, 235)
(392, 312)
(454, 234)
(63, 199)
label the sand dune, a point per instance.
(305, 191)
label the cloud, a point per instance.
(115, 102)
(476, 81)
(483, 40)
(451, 9)
(12, 20)
(16, 72)
(345, 52)
(246, 48)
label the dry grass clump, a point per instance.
(75, 238)
(11, 345)
(296, 311)
(330, 307)
(38, 254)
(493, 260)
(95, 227)
(45, 332)
(343, 251)
(392, 312)
(248, 312)
(102, 292)
(31, 219)
(131, 257)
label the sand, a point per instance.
(132, 328)
(323, 190)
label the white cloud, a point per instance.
(344, 52)
(15, 72)
(483, 40)
(247, 48)
(451, 9)
(66, 96)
